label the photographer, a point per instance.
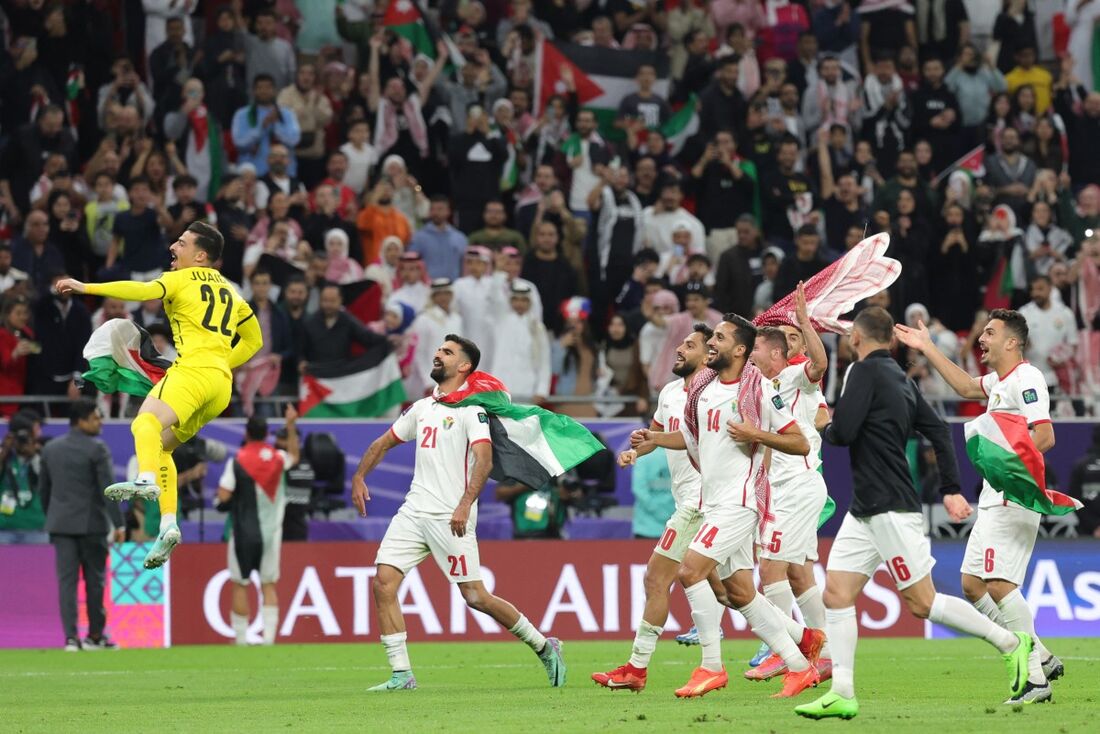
(22, 517)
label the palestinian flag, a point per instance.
(530, 445)
(602, 76)
(362, 387)
(1000, 448)
(682, 125)
(403, 17)
(121, 358)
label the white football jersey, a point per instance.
(687, 484)
(726, 465)
(802, 397)
(444, 437)
(1023, 391)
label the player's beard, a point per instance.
(439, 374)
(683, 369)
(720, 362)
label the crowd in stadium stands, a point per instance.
(333, 141)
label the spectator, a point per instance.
(430, 328)
(936, 115)
(170, 65)
(441, 246)
(137, 245)
(886, 113)
(736, 272)
(74, 469)
(587, 155)
(1082, 17)
(1014, 29)
(907, 176)
(663, 304)
(942, 29)
(802, 71)
(954, 297)
(830, 100)
(361, 156)
(620, 357)
(222, 67)
(554, 278)
(573, 356)
(1010, 173)
(618, 237)
(1026, 73)
(721, 102)
(788, 199)
(253, 489)
(678, 327)
(296, 295)
(412, 284)
(1046, 242)
(22, 516)
(479, 83)
(840, 199)
(910, 244)
(726, 189)
(1084, 484)
(10, 276)
(260, 374)
(509, 264)
(495, 234)
(806, 263)
(544, 180)
(400, 128)
(330, 332)
(572, 233)
(766, 294)
(35, 254)
(1045, 146)
(280, 177)
(347, 201)
(1082, 131)
(313, 112)
(476, 159)
(999, 243)
(524, 364)
(17, 342)
(257, 127)
(643, 109)
(885, 27)
(408, 195)
(475, 296)
(651, 486)
(66, 232)
(62, 326)
(21, 162)
(659, 221)
(974, 82)
(266, 54)
(235, 223)
(1052, 333)
(326, 216)
(186, 210)
(380, 219)
(125, 90)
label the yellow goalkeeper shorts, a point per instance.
(197, 395)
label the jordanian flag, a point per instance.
(682, 125)
(530, 445)
(1000, 448)
(602, 76)
(362, 387)
(121, 358)
(403, 18)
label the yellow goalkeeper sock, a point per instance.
(147, 444)
(167, 480)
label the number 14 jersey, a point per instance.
(204, 311)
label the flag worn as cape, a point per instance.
(1001, 449)
(530, 445)
(121, 358)
(361, 387)
(862, 272)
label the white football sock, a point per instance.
(167, 520)
(271, 623)
(768, 624)
(1017, 618)
(955, 613)
(704, 613)
(780, 595)
(843, 632)
(989, 608)
(240, 627)
(525, 631)
(147, 477)
(813, 611)
(645, 642)
(396, 651)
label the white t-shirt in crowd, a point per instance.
(1047, 328)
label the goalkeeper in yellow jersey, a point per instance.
(215, 331)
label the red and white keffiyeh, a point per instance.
(862, 272)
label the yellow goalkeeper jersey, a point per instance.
(205, 312)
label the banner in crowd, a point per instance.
(578, 590)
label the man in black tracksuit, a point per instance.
(879, 408)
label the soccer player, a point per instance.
(680, 528)
(788, 547)
(215, 332)
(454, 455)
(879, 408)
(729, 451)
(1003, 536)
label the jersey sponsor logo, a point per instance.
(448, 422)
(483, 417)
(777, 402)
(1031, 396)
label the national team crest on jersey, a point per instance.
(1031, 396)
(777, 402)
(448, 421)
(775, 383)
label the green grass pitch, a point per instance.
(903, 686)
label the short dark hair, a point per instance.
(81, 409)
(184, 180)
(698, 257)
(256, 428)
(208, 239)
(468, 348)
(1014, 321)
(700, 328)
(807, 230)
(140, 181)
(744, 332)
(1044, 278)
(646, 255)
(262, 271)
(262, 76)
(876, 324)
(774, 337)
(440, 199)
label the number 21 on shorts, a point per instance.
(457, 562)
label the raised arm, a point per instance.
(126, 290)
(815, 349)
(921, 340)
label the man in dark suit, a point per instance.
(75, 469)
